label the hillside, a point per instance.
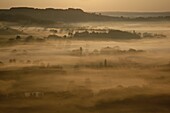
(49, 15)
(27, 15)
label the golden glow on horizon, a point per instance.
(92, 5)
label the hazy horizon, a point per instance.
(88, 11)
(90, 5)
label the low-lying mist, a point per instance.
(81, 76)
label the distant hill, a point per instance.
(27, 15)
(136, 14)
(49, 15)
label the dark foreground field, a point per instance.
(66, 102)
(84, 90)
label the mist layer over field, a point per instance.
(78, 76)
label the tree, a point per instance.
(18, 37)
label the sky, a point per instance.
(93, 5)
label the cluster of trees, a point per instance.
(151, 35)
(117, 50)
(30, 38)
(9, 31)
(112, 34)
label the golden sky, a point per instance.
(93, 5)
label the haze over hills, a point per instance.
(29, 15)
(135, 14)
